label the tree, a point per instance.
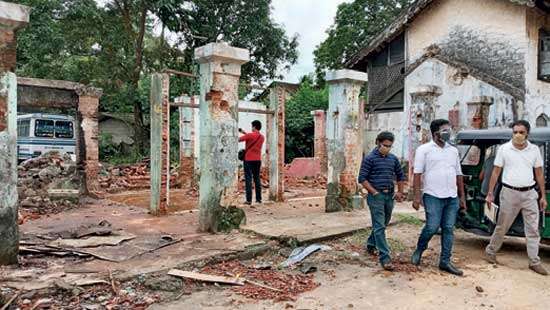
(245, 24)
(298, 120)
(355, 25)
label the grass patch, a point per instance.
(359, 237)
(409, 219)
(396, 245)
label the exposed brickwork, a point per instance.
(187, 146)
(320, 138)
(478, 112)
(88, 153)
(165, 161)
(8, 47)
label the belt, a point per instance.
(519, 189)
(386, 190)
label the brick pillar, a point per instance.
(88, 153)
(220, 70)
(12, 18)
(320, 138)
(421, 114)
(187, 142)
(160, 144)
(344, 133)
(478, 112)
(276, 143)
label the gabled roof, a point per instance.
(399, 24)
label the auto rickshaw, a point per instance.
(476, 148)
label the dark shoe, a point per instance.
(388, 266)
(451, 269)
(371, 250)
(491, 258)
(259, 202)
(416, 257)
(539, 269)
(248, 203)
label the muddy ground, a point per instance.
(349, 279)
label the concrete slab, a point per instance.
(312, 227)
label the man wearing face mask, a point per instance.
(437, 166)
(517, 160)
(379, 170)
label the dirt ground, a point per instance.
(350, 279)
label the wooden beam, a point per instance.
(244, 110)
(175, 72)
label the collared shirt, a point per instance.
(517, 165)
(381, 171)
(253, 145)
(440, 166)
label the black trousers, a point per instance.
(252, 171)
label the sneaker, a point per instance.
(451, 269)
(539, 269)
(491, 258)
(416, 257)
(248, 203)
(388, 266)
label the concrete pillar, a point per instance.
(276, 143)
(220, 70)
(12, 18)
(478, 112)
(187, 142)
(320, 138)
(421, 114)
(160, 146)
(344, 133)
(88, 146)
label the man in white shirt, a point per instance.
(517, 160)
(437, 164)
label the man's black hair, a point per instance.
(523, 123)
(437, 124)
(257, 125)
(385, 136)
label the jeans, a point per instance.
(381, 207)
(440, 212)
(252, 171)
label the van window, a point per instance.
(44, 128)
(23, 128)
(64, 129)
(470, 155)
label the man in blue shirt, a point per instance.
(379, 171)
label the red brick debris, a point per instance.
(128, 177)
(291, 285)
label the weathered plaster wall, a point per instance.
(455, 94)
(495, 20)
(537, 99)
(389, 121)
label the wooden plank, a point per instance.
(244, 110)
(205, 277)
(156, 142)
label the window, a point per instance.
(23, 128)
(470, 155)
(544, 55)
(44, 128)
(542, 120)
(64, 129)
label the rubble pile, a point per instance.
(276, 285)
(47, 184)
(128, 177)
(318, 182)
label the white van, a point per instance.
(40, 133)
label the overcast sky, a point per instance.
(309, 19)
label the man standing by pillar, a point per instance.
(253, 160)
(517, 160)
(437, 163)
(379, 170)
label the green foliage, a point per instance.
(116, 154)
(355, 25)
(409, 219)
(299, 122)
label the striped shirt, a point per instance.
(381, 171)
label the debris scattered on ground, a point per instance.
(47, 184)
(268, 284)
(479, 289)
(91, 242)
(235, 280)
(300, 253)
